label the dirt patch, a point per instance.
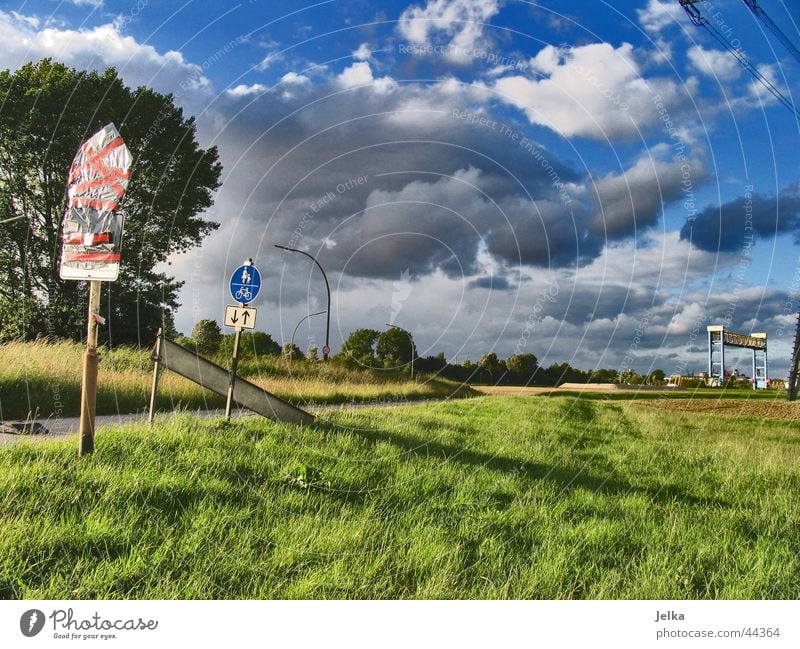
(512, 390)
(782, 410)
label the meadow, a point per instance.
(44, 378)
(492, 497)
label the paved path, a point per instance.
(68, 426)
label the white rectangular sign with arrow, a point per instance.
(240, 316)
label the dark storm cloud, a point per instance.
(494, 283)
(732, 226)
(392, 176)
(634, 200)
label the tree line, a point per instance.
(393, 349)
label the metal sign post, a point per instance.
(234, 366)
(154, 387)
(245, 285)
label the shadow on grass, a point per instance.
(565, 477)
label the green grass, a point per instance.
(496, 497)
(45, 379)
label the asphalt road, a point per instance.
(68, 426)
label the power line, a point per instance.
(773, 27)
(701, 21)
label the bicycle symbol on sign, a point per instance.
(243, 294)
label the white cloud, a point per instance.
(360, 74)
(654, 260)
(97, 48)
(758, 90)
(87, 3)
(294, 79)
(717, 64)
(243, 90)
(276, 56)
(363, 53)
(593, 90)
(461, 22)
(30, 21)
(660, 15)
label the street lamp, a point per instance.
(411, 341)
(302, 320)
(327, 349)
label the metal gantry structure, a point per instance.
(719, 338)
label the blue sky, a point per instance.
(568, 178)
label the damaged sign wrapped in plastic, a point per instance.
(93, 225)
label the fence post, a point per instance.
(154, 388)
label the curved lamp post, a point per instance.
(302, 320)
(325, 350)
(410, 340)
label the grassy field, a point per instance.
(495, 497)
(47, 377)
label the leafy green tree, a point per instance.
(604, 376)
(251, 344)
(395, 348)
(207, 337)
(260, 343)
(436, 363)
(630, 377)
(522, 366)
(359, 348)
(658, 377)
(48, 111)
(491, 368)
(312, 353)
(291, 352)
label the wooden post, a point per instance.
(89, 378)
(234, 366)
(154, 387)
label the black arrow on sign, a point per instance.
(235, 317)
(244, 317)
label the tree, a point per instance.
(604, 376)
(252, 344)
(436, 363)
(291, 352)
(491, 368)
(207, 337)
(522, 366)
(395, 348)
(658, 377)
(312, 353)
(630, 377)
(48, 111)
(359, 348)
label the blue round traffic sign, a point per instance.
(245, 284)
